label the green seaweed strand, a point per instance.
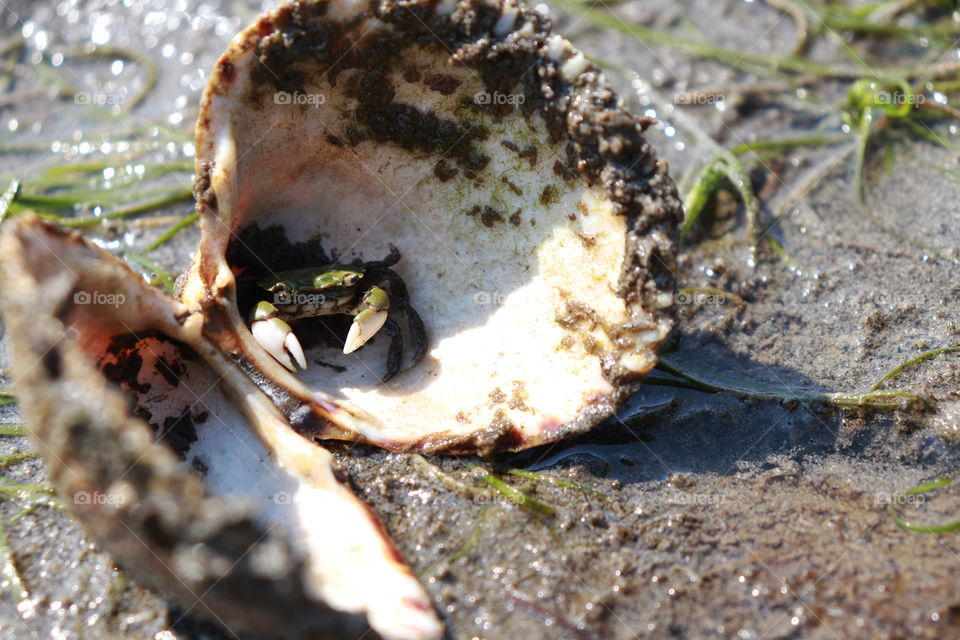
(921, 528)
(88, 221)
(785, 144)
(12, 430)
(894, 96)
(909, 363)
(560, 482)
(180, 225)
(465, 549)
(130, 57)
(163, 277)
(698, 47)
(724, 165)
(462, 551)
(6, 396)
(12, 491)
(14, 458)
(518, 497)
(895, 399)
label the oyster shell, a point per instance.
(535, 223)
(536, 232)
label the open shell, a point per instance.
(535, 223)
(537, 232)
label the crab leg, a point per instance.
(418, 335)
(276, 336)
(401, 301)
(395, 351)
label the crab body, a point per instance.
(336, 289)
(307, 293)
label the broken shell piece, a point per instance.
(535, 224)
(266, 540)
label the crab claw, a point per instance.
(276, 336)
(365, 325)
(373, 313)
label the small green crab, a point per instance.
(337, 289)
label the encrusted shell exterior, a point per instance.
(536, 224)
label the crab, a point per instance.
(336, 289)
